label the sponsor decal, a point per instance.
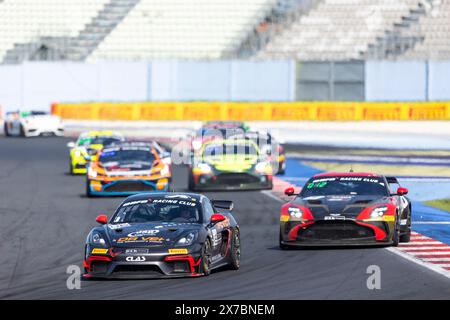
(179, 196)
(174, 201)
(335, 216)
(99, 251)
(143, 233)
(118, 226)
(139, 239)
(135, 259)
(136, 251)
(178, 251)
(131, 203)
(340, 198)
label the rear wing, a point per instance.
(392, 180)
(223, 204)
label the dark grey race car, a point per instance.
(163, 235)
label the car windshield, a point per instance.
(105, 141)
(159, 210)
(33, 113)
(230, 149)
(127, 155)
(351, 185)
(223, 133)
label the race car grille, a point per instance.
(99, 266)
(150, 270)
(336, 230)
(129, 186)
(236, 178)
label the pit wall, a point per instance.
(36, 85)
(259, 111)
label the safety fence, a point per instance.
(247, 111)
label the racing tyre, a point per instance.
(206, 259)
(406, 237)
(191, 183)
(281, 169)
(22, 131)
(283, 246)
(235, 251)
(396, 236)
(71, 169)
(6, 131)
(88, 190)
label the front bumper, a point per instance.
(348, 232)
(35, 131)
(151, 265)
(233, 181)
(79, 166)
(125, 187)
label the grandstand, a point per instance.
(306, 30)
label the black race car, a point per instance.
(163, 235)
(346, 209)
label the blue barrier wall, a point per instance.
(38, 84)
(395, 81)
(439, 80)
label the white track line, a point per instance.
(434, 267)
(272, 196)
(427, 253)
(435, 259)
(431, 222)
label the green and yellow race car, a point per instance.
(234, 164)
(87, 145)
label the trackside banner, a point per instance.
(248, 111)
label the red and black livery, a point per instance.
(338, 209)
(157, 235)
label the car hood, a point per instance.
(148, 234)
(127, 168)
(344, 205)
(234, 163)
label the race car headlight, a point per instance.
(262, 166)
(204, 167)
(77, 153)
(186, 240)
(92, 173)
(378, 212)
(197, 144)
(167, 160)
(165, 170)
(96, 238)
(295, 212)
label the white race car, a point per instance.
(32, 124)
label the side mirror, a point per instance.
(70, 144)
(402, 191)
(223, 204)
(102, 219)
(217, 217)
(289, 191)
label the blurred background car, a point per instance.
(87, 145)
(32, 124)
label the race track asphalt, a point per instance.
(45, 217)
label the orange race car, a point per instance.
(127, 168)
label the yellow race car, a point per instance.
(234, 164)
(88, 144)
